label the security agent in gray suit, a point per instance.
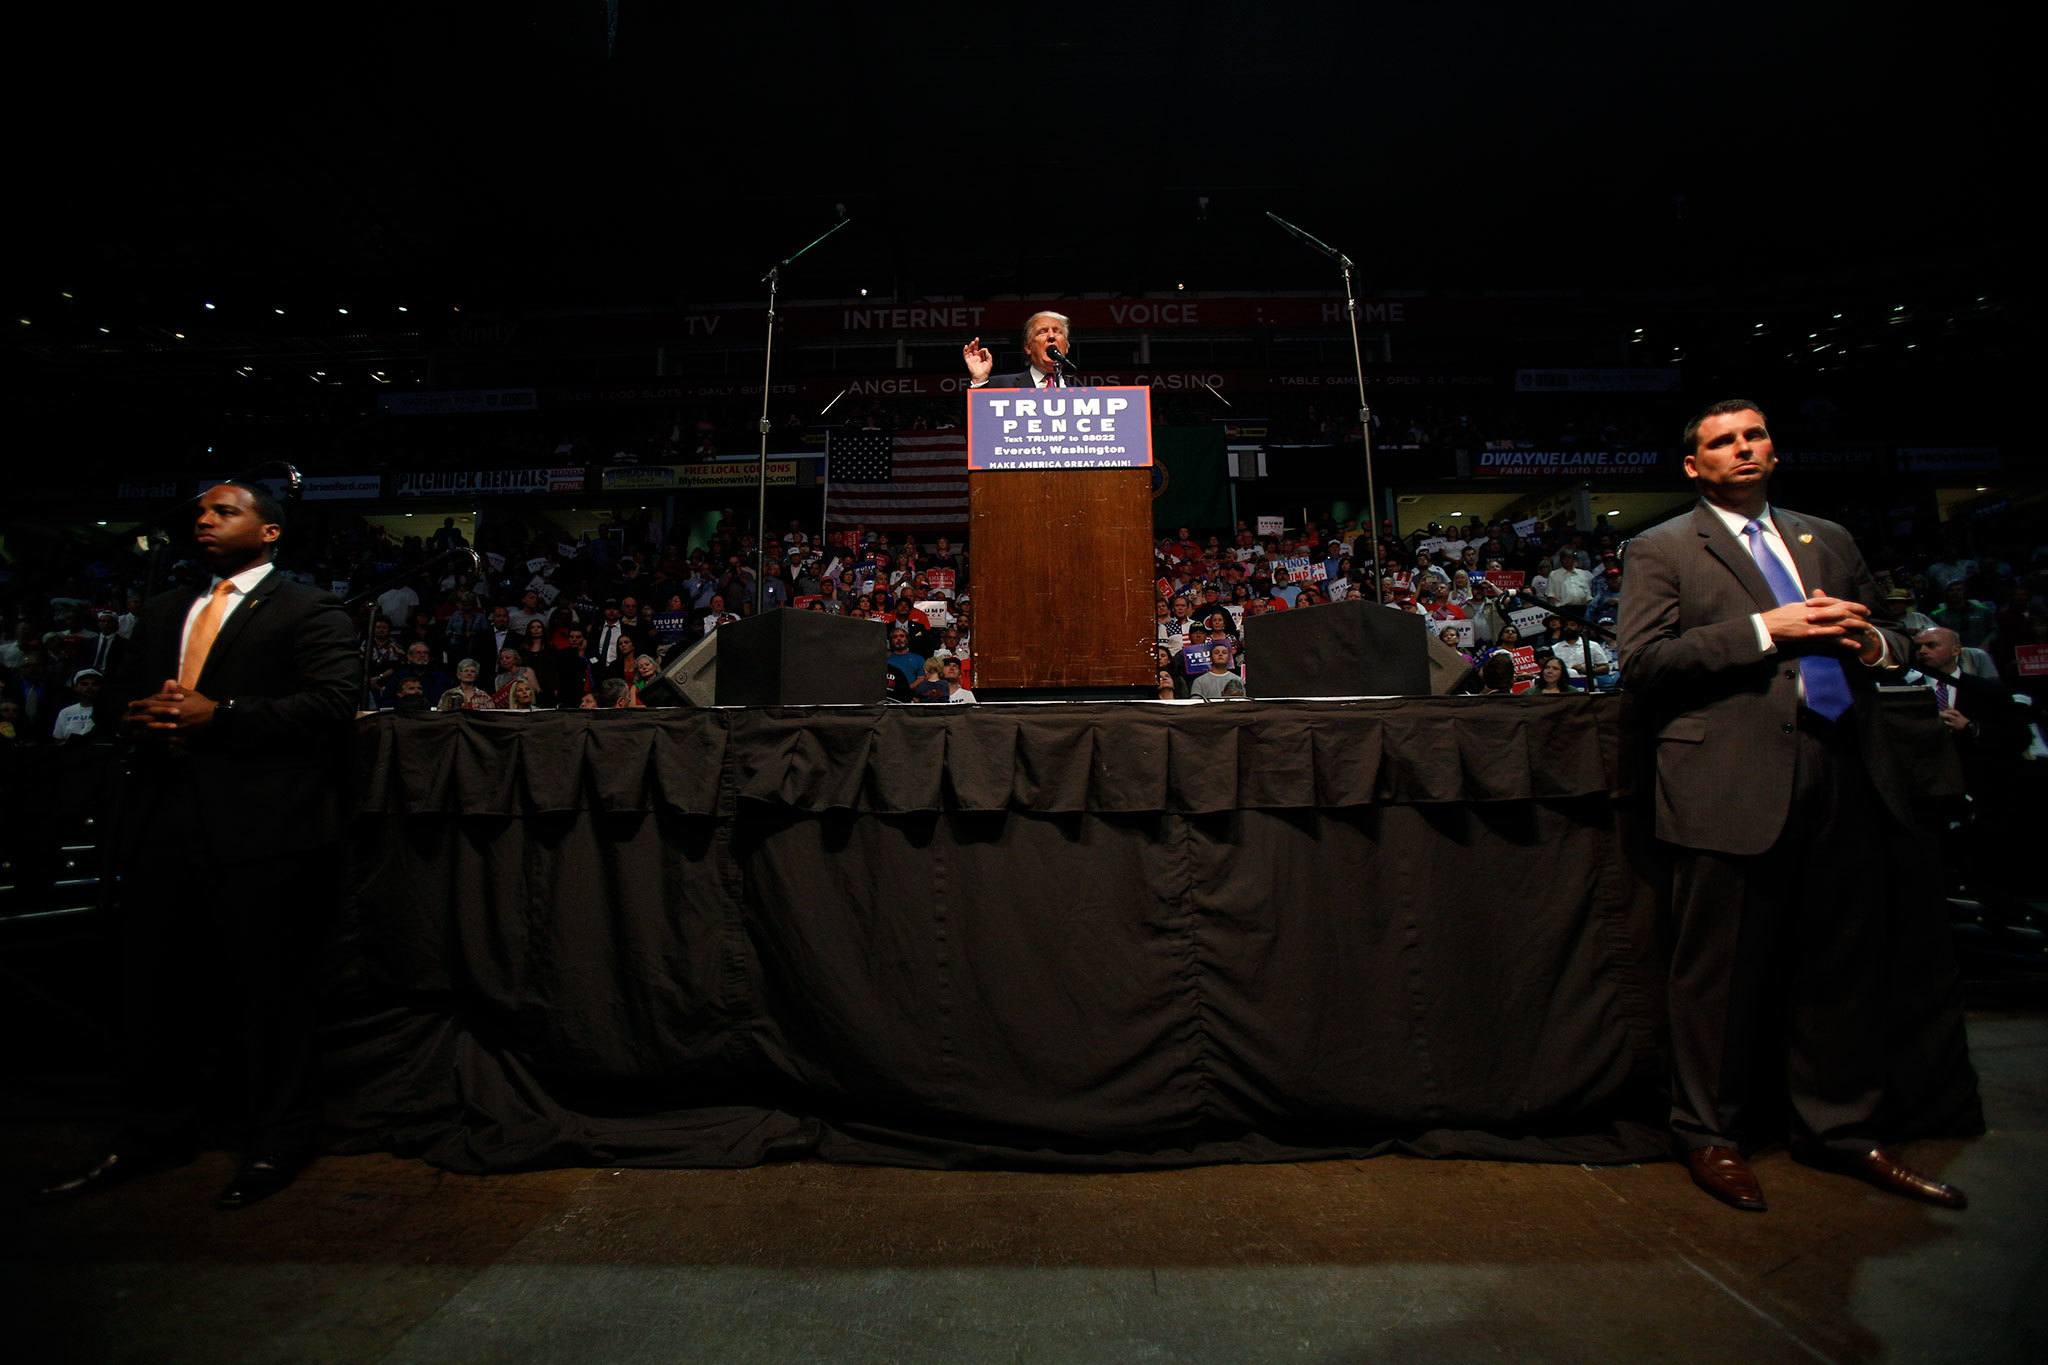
(1748, 628)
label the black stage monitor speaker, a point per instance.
(801, 658)
(1342, 649)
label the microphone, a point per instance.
(1059, 358)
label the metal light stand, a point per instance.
(1379, 591)
(773, 279)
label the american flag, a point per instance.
(897, 483)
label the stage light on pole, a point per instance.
(342, 311)
(66, 293)
(278, 311)
(207, 306)
(178, 335)
(106, 332)
(401, 308)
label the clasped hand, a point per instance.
(171, 707)
(1825, 618)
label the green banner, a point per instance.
(1190, 479)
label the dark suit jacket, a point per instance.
(266, 777)
(1020, 380)
(1723, 712)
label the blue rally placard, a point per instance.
(1094, 428)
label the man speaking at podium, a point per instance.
(1044, 334)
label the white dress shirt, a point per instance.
(245, 583)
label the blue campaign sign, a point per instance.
(1095, 428)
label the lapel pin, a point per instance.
(1806, 537)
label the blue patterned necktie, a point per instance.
(1827, 687)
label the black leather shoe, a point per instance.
(1722, 1172)
(256, 1181)
(115, 1168)
(1880, 1168)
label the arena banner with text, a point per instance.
(710, 474)
(1577, 464)
(1079, 428)
(430, 483)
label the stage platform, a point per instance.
(1093, 934)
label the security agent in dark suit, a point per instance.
(1044, 333)
(227, 840)
(1748, 628)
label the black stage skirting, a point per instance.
(1062, 935)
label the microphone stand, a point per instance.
(1364, 409)
(773, 279)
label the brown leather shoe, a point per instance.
(1880, 1168)
(1722, 1172)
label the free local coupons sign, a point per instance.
(1077, 428)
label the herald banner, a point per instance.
(1078, 428)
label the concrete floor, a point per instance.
(376, 1259)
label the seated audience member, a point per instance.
(616, 694)
(653, 689)
(502, 697)
(533, 641)
(1584, 660)
(1449, 636)
(1497, 674)
(1193, 659)
(10, 721)
(77, 720)
(409, 694)
(1216, 682)
(931, 687)
(508, 667)
(1551, 680)
(565, 672)
(903, 659)
(522, 694)
(419, 667)
(956, 690)
(1990, 727)
(468, 694)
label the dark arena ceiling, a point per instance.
(585, 154)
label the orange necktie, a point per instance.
(203, 631)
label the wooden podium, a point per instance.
(1062, 578)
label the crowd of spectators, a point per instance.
(549, 624)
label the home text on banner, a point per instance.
(1106, 428)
